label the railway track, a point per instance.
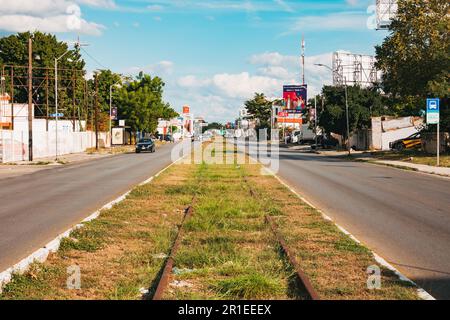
(305, 285)
(167, 271)
(302, 278)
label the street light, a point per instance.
(56, 101)
(115, 85)
(346, 105)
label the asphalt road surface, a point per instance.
(36, 207)
(403, 216)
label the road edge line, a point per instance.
(422, 293)
(41, 254)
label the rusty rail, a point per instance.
(301, 276)
(165, 277)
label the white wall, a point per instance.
(392, 129)
(14, 143)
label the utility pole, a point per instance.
(30, 99)
(96, 112)
(315, 119)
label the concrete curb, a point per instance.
(424, 295)
(42, 254)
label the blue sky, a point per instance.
(213, 55)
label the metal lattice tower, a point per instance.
(354, 69)
(386, 11)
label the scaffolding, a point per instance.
(354, 69)
(386, 12)
(73, 90)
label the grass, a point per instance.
(118, 253)
(227, 251)
(252, 286)
(413, 156)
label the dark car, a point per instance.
(410, 142)
(144, 145)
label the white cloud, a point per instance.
(48, 16)
(220, 96)
(155, 7)
(162, 68)
(352, 2)
(333, 22)
(244, 85)
(110, 4)
(192, 81)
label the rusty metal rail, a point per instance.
(165, 277)
(301, 276)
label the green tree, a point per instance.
(46, 47)
(141, 104)
(363, 104)
(415, 58)
(213, 125)
(260, 110)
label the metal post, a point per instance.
(12, 98)
(347, 116)
(438, 145)
(46, 100)
(30, 99)
(96, 112)
(315, 119)
(303, 59)
(56, 109)
(74, 85)
(110, 115)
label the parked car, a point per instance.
(413, 141)
(144, 145)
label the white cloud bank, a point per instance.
(220, 96)
(53, 16)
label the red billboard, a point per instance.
(295, 97)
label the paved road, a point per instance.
(35, 208)
(403, 216)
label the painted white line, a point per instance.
(41, 254)
(424, 295)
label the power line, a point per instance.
(95, 60)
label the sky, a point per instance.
(212, 55)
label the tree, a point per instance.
(260, 110)
(213, 125)
(415, 58)
(46, 47)
(363, 104)
(140, 103)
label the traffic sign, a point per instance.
(433, 111)
(59, 115)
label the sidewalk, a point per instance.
(367, 157)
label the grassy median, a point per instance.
(227, 252)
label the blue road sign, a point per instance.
(433, 111)
(59, 115)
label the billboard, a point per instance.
(186, 110)
(118, 136)
(295, 97)
(354, 69)
(386, 12)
